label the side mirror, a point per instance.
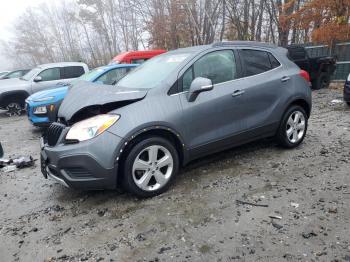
(199, 85)
(1, 151)
(38, 79)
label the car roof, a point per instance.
(61, 64)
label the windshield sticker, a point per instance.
(176, 58)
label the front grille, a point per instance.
(53, 133)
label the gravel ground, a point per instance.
(199, 218)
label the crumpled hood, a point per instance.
(84, 95)
(57, 93)
(13, 84)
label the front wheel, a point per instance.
(14, 109)
(293, 127)
(150, 167)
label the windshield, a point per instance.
(152, 72)
(90, 76)
(28, 76)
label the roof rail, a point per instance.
(244, 43)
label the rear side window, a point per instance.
(71, 72)
(218, 66)
(257, 62)
(50, 74)
(274, 62)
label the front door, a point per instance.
(211, 118)
(50, 78)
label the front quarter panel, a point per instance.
(155, 110)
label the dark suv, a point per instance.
(172, 109)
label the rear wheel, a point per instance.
(14, 108)
(150, 167)
(348, 103)
(293, 127)
(322, 81)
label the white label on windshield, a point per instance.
(176, 58)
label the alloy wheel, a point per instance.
(152, 168)
(295, 127)
(13, 109)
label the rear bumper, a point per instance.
(88, 165)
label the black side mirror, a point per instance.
(1, 151)
(199, 85)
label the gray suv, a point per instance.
(176, 107)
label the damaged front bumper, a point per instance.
(88, 165)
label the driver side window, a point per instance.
(218, 66)
(50, 74)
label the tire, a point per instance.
(348, 103)
(291, 131)
(142, 165)
(14, 108)
(322, 81)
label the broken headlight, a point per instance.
(91, 127)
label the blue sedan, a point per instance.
(42, 107)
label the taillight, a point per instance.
(305, 75)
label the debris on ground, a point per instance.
(251, 204)
(336, 101)
(11, 164)
(296, 205)
(309, 234)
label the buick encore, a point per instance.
(174, 108)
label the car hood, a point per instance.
(56, 93)
(13, 84)
(87, 95)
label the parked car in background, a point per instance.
(42, 107)
(15, 74)
(13, 92)
(135, 57)
(2, 73)
(320, 68)
(347, 91)
(1, 151)
(177, 107)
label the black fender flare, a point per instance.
(128, 139)
(21, 95)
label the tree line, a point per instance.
(94, 31)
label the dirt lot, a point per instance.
(199, 219)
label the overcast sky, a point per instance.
(10, 10)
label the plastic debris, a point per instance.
(296, 205)
(8, 169)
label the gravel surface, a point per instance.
(306, 191)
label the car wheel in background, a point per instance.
(150, 167)
(293, 127)
(322, 81)
(14, 109)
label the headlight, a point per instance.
(91, 127)
(48, 98)
(40, 110)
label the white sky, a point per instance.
(9, 11)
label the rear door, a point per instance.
(263, 86)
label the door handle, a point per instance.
(285, 78)
(237, 93)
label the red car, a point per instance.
(136, 57)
